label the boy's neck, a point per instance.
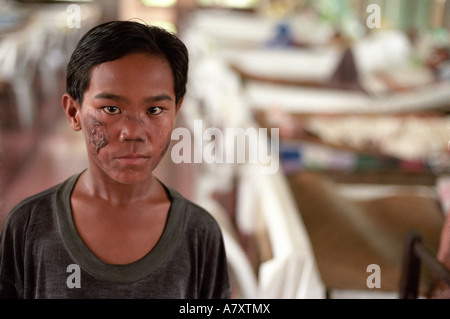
(103, 187)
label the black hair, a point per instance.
(112, 40)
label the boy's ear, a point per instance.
(72, 111)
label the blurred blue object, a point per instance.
(283, 36)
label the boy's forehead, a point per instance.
(136, 58)
(132, 71)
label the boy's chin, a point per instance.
(131, 177)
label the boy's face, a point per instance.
(127, 116)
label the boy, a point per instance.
(114, 230)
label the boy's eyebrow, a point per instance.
(156, 98)
(109, 96)
(149, 99)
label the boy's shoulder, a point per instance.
(196, 216)
(32, 205)
(182, 203)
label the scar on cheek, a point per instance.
(97, 136)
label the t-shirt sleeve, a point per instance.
(11, 257)
(215, 283)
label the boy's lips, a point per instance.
(132, 158)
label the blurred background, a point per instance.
(358, 89)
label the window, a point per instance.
(159, 3)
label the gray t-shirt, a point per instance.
(43, 256)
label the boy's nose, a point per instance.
(132, 129)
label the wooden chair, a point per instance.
(416, 253)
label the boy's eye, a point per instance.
(111, 109)
(154, 110)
